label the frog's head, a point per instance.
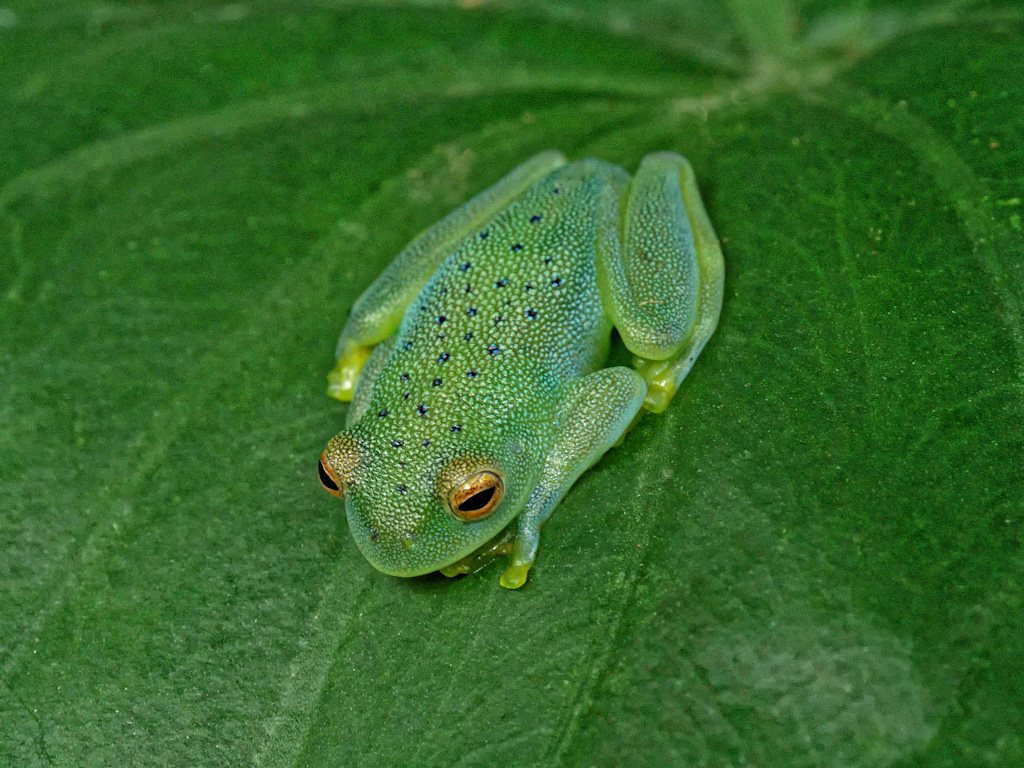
(415, 508)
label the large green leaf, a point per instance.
(813, 558)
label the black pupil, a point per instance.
(477, 500)
(325, 479)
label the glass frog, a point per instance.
(475, 363)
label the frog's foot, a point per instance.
(515, 575)
(505, 544)
(523, 550)
(663, 378)
(341, 381)
(499, 546)
(662, 382)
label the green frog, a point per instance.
(475, 364)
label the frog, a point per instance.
(475, 365)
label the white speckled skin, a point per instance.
(506, 309)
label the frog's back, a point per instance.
(518, 301)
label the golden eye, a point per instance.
(327, 480)
(477, 497)
(339, 464)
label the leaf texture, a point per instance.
(813, 558)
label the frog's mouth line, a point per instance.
(467, 561)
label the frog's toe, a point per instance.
(455, 569)
(659, 395)
(515, 576)
(660, 376)
(341, 383)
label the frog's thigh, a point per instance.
(378, 312)
(367, 377)
(597, 413)
(661, 284)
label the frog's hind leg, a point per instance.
(594, 417)
(378, 312)
(661, 279)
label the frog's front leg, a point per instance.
(662, 279)
(378, 312)
(595, 415)
(367, 376)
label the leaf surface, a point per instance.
(813, 558)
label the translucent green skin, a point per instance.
(491, 329)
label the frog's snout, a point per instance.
(393, 549)
(406, 540)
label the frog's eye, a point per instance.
(477, 497)
(327, 479)
(339, 464)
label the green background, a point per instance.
(813, 558)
